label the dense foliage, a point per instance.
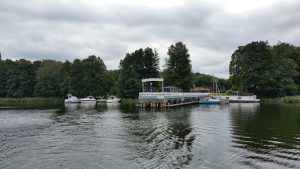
(209, 81)
(178, 68)
(264, 70)
(267, 71)
(49, 78)
(142, 63)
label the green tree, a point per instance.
(203, 80)
(209, 81)
(133, 68)
(3, 77)
(66, 82)
(20, 79)
(150, 64)
(87, 77)
(111, 80)
(253, 68)
(178, 68)
(49, 78)
(130, 71)
(285, 67)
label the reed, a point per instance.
(286, 99)
(129, 101)
(31, 102)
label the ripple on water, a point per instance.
(188, 137)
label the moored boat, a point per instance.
(88, 99)
(72, 99)
(210, 101)
(241, 99)
(113, 99)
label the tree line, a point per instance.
(50, 78)
(267, 71)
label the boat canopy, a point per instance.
(151, 89)
(153, 80)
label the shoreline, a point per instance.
(286, 99)
(30, 102)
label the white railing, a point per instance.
(161, 95)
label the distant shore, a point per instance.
(286, 99)
(37, 102)
(34, 102)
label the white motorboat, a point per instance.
(89, 99)
(113, 99)
(210, 101)
(72, 99)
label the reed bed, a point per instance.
(31, 102)
(286, 99)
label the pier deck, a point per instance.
(169, 99)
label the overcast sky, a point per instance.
(211, 29)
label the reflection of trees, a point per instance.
(181, 131)
(268, 133)
(157, 138)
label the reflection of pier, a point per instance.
(166, 96)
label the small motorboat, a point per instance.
(210, 101)
(113, 99)
(89, 99)
(72, 99)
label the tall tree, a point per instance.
(151, 63)
(3, 77)
(111, 79)
(66, 82)
(49, 78)
(142, 63)
(287, 72)
(87, 77)
(254, 69)
(178, 68)
(130, 72)
(20, 79)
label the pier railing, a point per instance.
(169, 95)
(169, 99)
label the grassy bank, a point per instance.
(129, 101)
(287, 99)
(31, 102)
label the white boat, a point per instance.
(113, 99)
(89, 99)
(210, 101)
(241, 99)
(72, 99)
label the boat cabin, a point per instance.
(172, 89)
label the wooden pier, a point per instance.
(170, 96)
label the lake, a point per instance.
(122, 136)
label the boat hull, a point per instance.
(210, 101)
(72, 101)
(113, 101)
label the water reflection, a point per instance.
(158, 139)
(180, 131)
(268, 134)
(122, 136)
(211, 107)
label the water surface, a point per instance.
(120, 136)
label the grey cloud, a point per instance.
(70, 29)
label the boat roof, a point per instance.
(153, 80)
